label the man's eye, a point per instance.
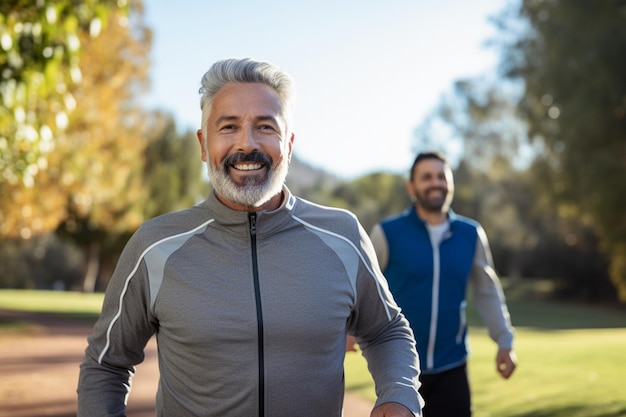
(227, 127)
(266, 127)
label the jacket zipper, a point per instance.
(434, 313)
(432, 338)
(259, 313)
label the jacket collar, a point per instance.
(239, 221)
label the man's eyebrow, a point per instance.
(222, 119)
(268, 118)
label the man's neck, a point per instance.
(431, 217)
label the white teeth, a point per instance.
(248, 167)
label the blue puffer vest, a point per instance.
(430, 284)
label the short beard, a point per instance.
(429, 205)
(255, 191)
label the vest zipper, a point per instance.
(259, 313)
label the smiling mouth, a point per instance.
(435, 190)
(247, 166)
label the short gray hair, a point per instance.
(246, 70)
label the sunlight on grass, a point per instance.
(571, 358)
(51, 301)
(561, 373)
(571, 363)
(358, 378)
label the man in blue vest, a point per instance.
(429, 255)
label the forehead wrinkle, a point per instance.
(261, 118)
(268, 117)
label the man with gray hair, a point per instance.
(252, 292)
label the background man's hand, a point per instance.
(350, 344)
(391, 410)
(506, 362)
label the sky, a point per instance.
(367, 72)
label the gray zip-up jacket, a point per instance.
(250, 311)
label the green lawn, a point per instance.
(572, 363)
(71, 304)
(67, 303)
(572, 358)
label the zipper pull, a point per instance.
(252, 219)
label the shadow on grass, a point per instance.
(28, 322)
(608, 410)
(67, 408)
(552, 315)
(358, 386)
(534, 309)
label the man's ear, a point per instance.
(202, 145)
(290, 146)
(410, 191)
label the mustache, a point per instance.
(443, 190)
(252, 157)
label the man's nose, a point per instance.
(247, 140)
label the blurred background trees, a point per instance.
(80, 156)
(42, 44)
(572, 62)
(549, 135)
(539, 149)
(101, 151)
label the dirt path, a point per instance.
(39, 371)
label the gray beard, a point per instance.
(255, 191)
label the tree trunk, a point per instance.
(107, 266)
(93, 267)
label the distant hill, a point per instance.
(303, 177)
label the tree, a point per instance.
(41, 46)
(501, 181)
(570, 56)
(372, 197)
(173, 170)
(481, 116)
(100, 157)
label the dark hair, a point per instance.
(427, 155)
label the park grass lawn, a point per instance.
(572, 358)
(77, 305)
(561, 373)
(59, 302)
(571, 363)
